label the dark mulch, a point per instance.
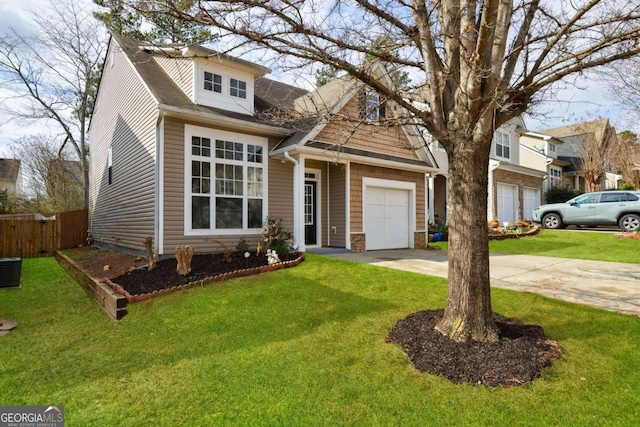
(518, 357)
(165, 274)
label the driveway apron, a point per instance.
(611, 286)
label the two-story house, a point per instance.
(515, 187)
(190, 146)
(540, 151)
(580, 140)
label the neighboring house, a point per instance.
(11, 175)
(576, 137)
(515, 187)
(191, 147)
(541, 152)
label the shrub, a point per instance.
(560, 194)
(628, 186)
(276, 237)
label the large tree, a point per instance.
(152, 23)
(475, 64)
(54, 179)
(628, 157)
(52, 74)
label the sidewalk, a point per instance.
(612, 286)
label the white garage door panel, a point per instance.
(386, 218)
(531, 200)
(507, 203)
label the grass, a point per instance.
(300, 346)
(599, 246)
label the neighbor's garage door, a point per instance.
(386, 214)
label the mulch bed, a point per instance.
(165, 275)
(517, 358)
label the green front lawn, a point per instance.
(297, 347)
(600, 246)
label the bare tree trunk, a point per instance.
(468, 313)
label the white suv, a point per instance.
(620, 208)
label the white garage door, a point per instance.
(530, 201)
(507, 203)
(386, 215)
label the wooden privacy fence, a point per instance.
(39, 238)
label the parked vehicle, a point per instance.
(621, 208)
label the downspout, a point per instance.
(159, 187)
(296, 198)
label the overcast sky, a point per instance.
(573, 105)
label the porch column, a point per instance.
(430, 183)
(493, 165)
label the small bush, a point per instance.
(628, 186)
(276, 237)
(560, 194)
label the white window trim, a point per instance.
(213, 134)
(495, 143)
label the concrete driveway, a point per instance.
(609, 285)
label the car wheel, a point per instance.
(552, 220)
(630, 222)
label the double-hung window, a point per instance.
(371, 107)
(502, 142)
(555, 177)
(212, 82)
(227, 173)
(238, 88)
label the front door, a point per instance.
(310, 219)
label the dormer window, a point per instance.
(371, 106)
(238, 88)
(224, 87)
(212, 82)
(552, 148)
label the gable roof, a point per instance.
(9, 169)
(270, 97)
(319, 105)
(596, 127)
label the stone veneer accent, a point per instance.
(358, 243)
(420, 239)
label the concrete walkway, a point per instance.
(609, 285)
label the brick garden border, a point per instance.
(207, 280)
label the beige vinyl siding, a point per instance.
(279, 204)
(122, 213)
(359, 171)
(337, 205)
(372, 137)
(180, 70)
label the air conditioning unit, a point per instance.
(10, 272)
